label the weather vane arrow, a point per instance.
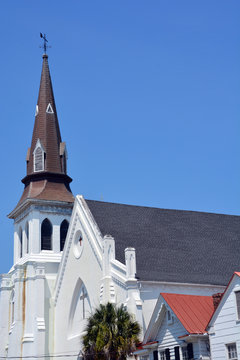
(45, 41)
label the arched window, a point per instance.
(46, 235)
(27, 236)
(20, 243)
(63, 233)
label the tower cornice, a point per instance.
(42, 205)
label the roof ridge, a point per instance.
(163, 209)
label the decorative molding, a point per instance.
(41, 324)
(117, 265)
(101, 293)
(91, 244)
(28, 338)
(54, 209)
(118, 282)
(63, 263)
(49, 257)
(6, 282)
(112, 291)
(30, 205)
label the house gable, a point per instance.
(234, 283)
(224, 327)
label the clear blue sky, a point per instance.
(148, 99)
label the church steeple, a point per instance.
(46, 177)
(46, 130)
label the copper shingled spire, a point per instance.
(46, 127)
(47, 177)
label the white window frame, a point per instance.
(170, 320)
(162, 352)
(237, 289)
(227, 350)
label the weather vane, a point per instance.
(45, 41)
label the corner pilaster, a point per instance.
(133, 301)
(107, 292)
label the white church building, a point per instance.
(71, 254)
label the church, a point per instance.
(72, 254)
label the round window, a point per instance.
(78, 244)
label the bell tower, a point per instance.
(42, 215)
(41, 220)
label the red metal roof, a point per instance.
(193, 311)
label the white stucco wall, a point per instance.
(94, 265)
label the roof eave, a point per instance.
(189, 337)
(28, 202)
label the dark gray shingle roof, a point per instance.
(173, 245)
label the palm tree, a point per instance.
(111, 333)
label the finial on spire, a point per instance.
(45, 46)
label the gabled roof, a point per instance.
(173, 245)
(215, 313)
(193, 311)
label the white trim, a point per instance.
(49, 109)
(38, 146)
(80, 216)
(237, 289)
(78, 248)
(222, 301)
(171, 320)
(227, 352)
(181, 284)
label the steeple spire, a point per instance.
(46, 127)
(47, 177)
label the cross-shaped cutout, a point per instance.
(82, 297)
(80, 240)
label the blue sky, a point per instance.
(148, 99)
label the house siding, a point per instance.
(168, 337)
(226, 327)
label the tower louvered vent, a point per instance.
(38, 159)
